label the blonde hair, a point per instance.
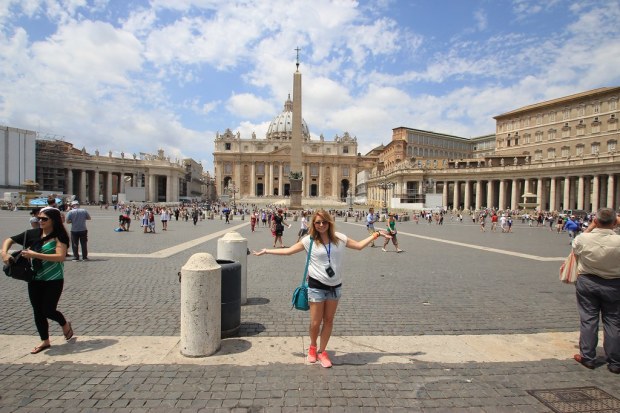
(331, 231)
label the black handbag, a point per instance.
(20, 267)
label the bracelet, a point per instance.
(375, 235)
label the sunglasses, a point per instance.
(321, 222)
(43, 219)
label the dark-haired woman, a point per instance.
(324, 277)
(47, 247)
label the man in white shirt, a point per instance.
(370, 223)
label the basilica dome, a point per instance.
(281, 127)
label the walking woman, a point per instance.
(324, 277)
(44, 291)
(391, 229)
(279, 222)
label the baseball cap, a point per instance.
(75, 203)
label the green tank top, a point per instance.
(50, 270)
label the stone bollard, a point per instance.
(357, 218)
(346, 218)
(234, 247)
(201, 306)
(242, 217)
(221, 216)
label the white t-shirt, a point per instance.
(304, 223)
(319, 260)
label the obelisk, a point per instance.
(296, 176)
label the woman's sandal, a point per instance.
(69, 333)
(40, 348)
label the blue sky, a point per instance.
(135, 76)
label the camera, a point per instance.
(330, 271)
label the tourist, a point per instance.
(77, 217)
(324, 277)
(391, 231)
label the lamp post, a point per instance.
(385, 185)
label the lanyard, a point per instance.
(328, 252)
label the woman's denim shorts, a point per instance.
(317, 295)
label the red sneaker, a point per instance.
(324, 359)
(312, 354)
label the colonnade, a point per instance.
(90, 185)
(554, 193)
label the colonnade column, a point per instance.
(455, 195)
(566, 198)
(69, 182)
(82, 191)
(321, 180)
(552, 195)
(595, 192)
(490, 193)
(270, 180)
(610, 191)
(108, 188)
(152, 195)
(580, 192)
(281, 180)
(514, 195)
(444, 195)
(169, 187)
(539, 195)
(478, 195)
(502, 195)
(467, 200)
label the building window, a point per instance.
(227, 168)
(550, 153)
(345, 149)
(527, 121)
(315, 149)
(260, 169)
(596, 107)
(314, 170)
(611, 146)
(539, 120)
(579, 150)
(227, 146)
(345, 171)
(565, 151)
(596, 127)
(527, 138)
(566, 114)
(287, 169)
(539, 136)
(551, 116)
(538, 155)
(566, 132)
(594, 148)
(551, 134)
(581, 110)
(613, 104)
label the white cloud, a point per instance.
(248, 106)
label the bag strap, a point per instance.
(304, 281)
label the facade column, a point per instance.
(566, 198)
(281, 180)
(270, 180)
(335, 185)
(610, 190)
(467, 201)
(596, 191)
(455, 195)
(97, 186)
(478, 195)
(587, 189)
(502, 195)
(490, 193)
(552, 195)
(321, 180)
(82, 191)
(152, 195)
(253, 179)
(580, 191)
(526, 186)
(514, 195)
(444, 196)
(539, 195)
(69, 182)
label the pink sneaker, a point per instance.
(324, 359)
(312, 354)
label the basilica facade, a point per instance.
(254, 168)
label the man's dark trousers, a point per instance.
(81, 238)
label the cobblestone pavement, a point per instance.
(456, 280)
